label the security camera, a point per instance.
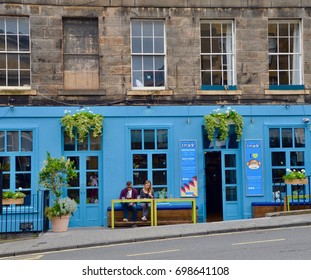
(306, 120)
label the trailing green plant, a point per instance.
(12, 195)
(222, 120)
(54, 176)
(294, 174)
(84, 121)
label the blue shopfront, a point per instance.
(165, 144)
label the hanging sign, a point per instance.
(253, 167)
(188, 167)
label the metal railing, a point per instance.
(26, 217)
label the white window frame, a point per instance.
(4, 65)
(138, 75)
(275, 53)
(230, 55)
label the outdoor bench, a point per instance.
(166, 214)
(259, 209)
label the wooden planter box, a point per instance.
(297, 181)
(9, 201)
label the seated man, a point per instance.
(129, 193)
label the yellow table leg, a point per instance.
(112, 215)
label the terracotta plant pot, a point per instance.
(60, 224)
(297, 181)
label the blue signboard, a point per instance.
(253, 167)
(189, 176)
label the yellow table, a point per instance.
(193, 205)
(148, 200)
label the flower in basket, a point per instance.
(294, 174)
(54, 176)
(84, 121)
(63, 206)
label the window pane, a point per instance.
(26, 141)
(297, 159)
(162, 141)
(159, 178)
(23, 163)
(159, 161)
(231, 177)
(69, 145)
(12, 141)
(299, 137)
(92, 162)
(287, 138)
(149, 139)
(274, 137)
(159, 28)
(136, 28)
(95, 143)
(136, 139)
(139, 177)
(5, 163)
(136, 45)
(2, 141)
(22, 181)
(278, 158)
(140, 161)
(231, 194)
(230, 160)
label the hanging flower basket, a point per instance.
(84, 121)
(222, 120)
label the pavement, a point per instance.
(99, 236)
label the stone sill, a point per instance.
(150, 92)
(81, 92)
(17, 91)
(287, 92)
(219, 92)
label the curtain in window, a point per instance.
(229, 54)
(296, 57)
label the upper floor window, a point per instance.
(14, 52)
(285, 66)
(217, 55)
(81, 54)
(148, 54)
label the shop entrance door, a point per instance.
(86, 189)
(213, 175)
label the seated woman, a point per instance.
(146, 192)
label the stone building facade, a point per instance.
(154, 70)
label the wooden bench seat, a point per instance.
(259, 209)
(167, 215)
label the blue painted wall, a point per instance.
(185, 123)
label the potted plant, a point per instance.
(222, 121)
(84, 121)
(9, 197)
(295, 177)
(54, 176)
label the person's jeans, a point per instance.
(126, 208)
(145, 208)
